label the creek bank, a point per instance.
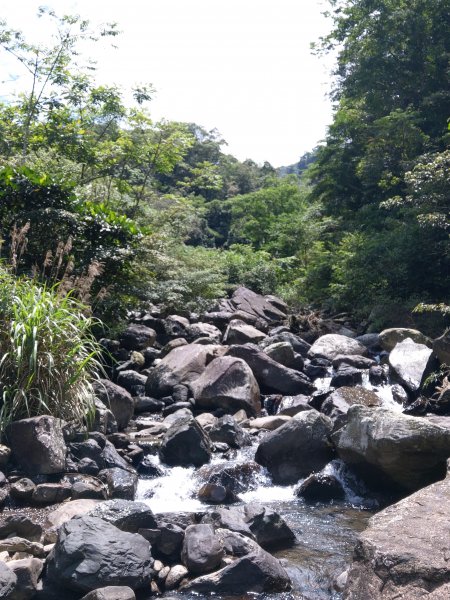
(208, 392)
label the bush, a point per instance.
(48, 354)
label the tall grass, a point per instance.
(48, 354)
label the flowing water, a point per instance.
(326, 533)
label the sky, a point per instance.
(243, 67)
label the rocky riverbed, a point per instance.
(232, 455)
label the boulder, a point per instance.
(270, 375)
(131, 381)
(269, 308)
(8, 581)
(292, 405)
(213, 493)
(125, 515)
(104, 420)
(38, 445)
(297, 448)
(339, 401)
(320, 487)
(137, 337)
(404, 552)
(182, 365)
(239, 332)
(268, 527)
(298, 344)
(121, 483)
(117, 399)
(51, 493)
(19, 525)
(185, 443)
(346, 375)
(411, 363)
(111, 592)
(356, 361)
(176, 326)
(27, 571)
(392, 450)
(67, 511)
(269, 423)
(169, 541)
(227, 383)
(22, 489)
(283, 353)
(256, 572)
(227, 431)
(235, 478)
(202, 550)
(91, 553)
(204, 330)
(389, 338)
(441, 347)
(331, 345)
(236, 544)
(232, 518)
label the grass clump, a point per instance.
(48, 354)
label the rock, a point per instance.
(111, 459)
(257, 572)
(403, 554)
(182, 365)
(339, 401)
(377, 375)
(18, 544)
(174, 577)
(27, 571)
(236, 478)
(389, 338)
(297, 448)
(268, 308)
(370, 340)
(51, 493)
(185, 443)
(86, 486)
(270, 375)
(441, 347)
(176, 326)
(179, 415)
(104, 420)
(121, 483)
(137, 337)
(239, 332)
(131, 381)
(232, 518)
(331, 345)
(298, 344)
(112, 592)
(169, 541)
(146, 404)
(204, 330)
(5, 455)
(283, 353)
(171, 345)
(227, 383)
(91, 553)
(391, 450)
(268, 527)
(38, 445)
(346, 376)
(213, 493)
(125, 515)
(86, 449)
(22, 489)
(320, 487)
(8, 581)
(206, 420)
(411, 363)
(292, 405)
(358, 362)
(19, 525)
(202, 551)
(117, 399)
(269, 423)
(227, 431)
(399, 394)
(235, 543)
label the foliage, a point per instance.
(48, 352)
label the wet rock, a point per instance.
(339, 401)
(297, 448)
(270, 375)
(399, 394)
(227, 383)
(117, 399)
(389, 338)
(120, 483)
(202, 550)
(358, 362)
(87, 466)
(125, 515)
(257, 572)
(146, 404)
(391, 450)
(137, 337)
(112, 592)
(148, 469)
(346, 375)
(232, 518)
(235, 544)
(86, 486)
(185, 443)
(182, 365)
(213, 493)
(292, 405)
(268, 527)
(320, 487)
(377, 375)
(370, 340)
(236, 478)
(8, 581)
(206, 420)
(27, 571)
(86, 449)
(317, 367)
(227, 431)
(404, 551)
(51, 493)
(239, 332)
(91, 553)
(38, 445)
(411, 363)
(110, 459)
(332, 344)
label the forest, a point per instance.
(123, 210)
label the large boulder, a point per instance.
(91, 553)
(228, 431)
(38, 445)
(227, 383)
(270, 375)
(257, 572)
(298, 344)
(392, 450)
(332, 344)
(297, 448)
(339, 401)
(185, 443)
(239, 332)
(389, 338)
(8, 581)
(202, 550)
(269, 308)
(182, 365)
(441, 347)
(117, 399)
(404, 552)
(411, 363)
(137, 337)
(126, 515)
(111, 592)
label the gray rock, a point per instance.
(269, 423)
(346, 375)
(174, 577)
(121, 483)
(319, 487)
(268, 527)
(411, 363)
(268, 308)
(441, 347)
(27, 571)
(18, 544)
(292, 405)
(332, 344)
(227, 383)
(117, 399)
(5, 455)
(20, 525)
(389, 338)
(185, 443)
(169, 541)
(38, 445)
(91, 553)
(239, 332)
(204, 330)
(112, 592)
(51, 493)
(270, 375)
(131, 381)
(176, 326)
(214, 493)
(393, 450)
(298, 344)
(297, 448)
(202, 550)
(125, 515)
(104, 420)
(22, 489)
(137, 337)
(404, 552)
(232, 518)
(283, 353)
(227, 431)
(358, 362)
(8, 581)
(339, 401)
(234, 543)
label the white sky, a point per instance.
(241, 66)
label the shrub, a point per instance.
(47, 352)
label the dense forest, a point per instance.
(123, 210)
